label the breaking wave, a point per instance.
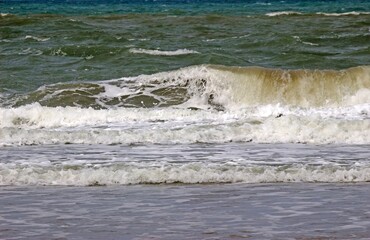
(162, 53)
(211, 86)
(191, 173)
(294, 13)
(274, 14)
(39, 39)
(35, 124)
(210, 104)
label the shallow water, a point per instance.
(79, 165)
(236, 211)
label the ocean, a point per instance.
(184, 119)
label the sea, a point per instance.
(184, 119)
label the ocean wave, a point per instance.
(162, 53)
(282, 13)
(5, 14)
(207, 103)
(39, 39)
(191, 173)
(215, 87)
(343, 14)
(294, 13)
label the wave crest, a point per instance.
(162, 53)
(191, 173)
(294, 13)
(212, 86)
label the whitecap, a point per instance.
(343, 14)
(39, 39)
(80, 174)
(162, 53)
(36, 125)
(274, 14)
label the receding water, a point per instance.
(236, 211)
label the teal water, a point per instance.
(178, 7)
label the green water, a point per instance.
(41, 49)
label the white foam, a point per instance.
(35, 116)
(361, 96)
(309, 43)
(347, 121)
(353, 13)
(265, 124)
(139, 39)
(191, 173)
(282, 13)
(274, 14)
(263, 3)
(162, 53)
(36, 38)
(114, 91)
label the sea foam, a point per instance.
(43, 125)
(282, 13)
(192, 173)
(210, 104)
(39, 39)
(163, 53)
(293, 13)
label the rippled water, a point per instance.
(45, 43)
(281, 211)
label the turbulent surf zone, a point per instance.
(198, 104)
(201, 124)
(97, 165)
(190, 92)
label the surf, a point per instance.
(212, 86)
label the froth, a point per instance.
(192, 173)
(265, 124)
(39, 39)
(199, 104)
(353, 13)
(162, 53)
(274, 14)
(286, 13)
